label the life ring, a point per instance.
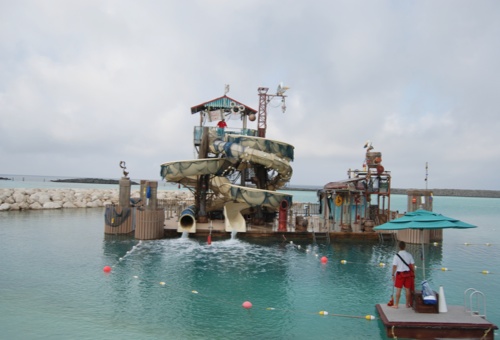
(338, 201)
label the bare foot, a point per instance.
(396, 307)
(408, 306)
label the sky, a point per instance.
(87, 84)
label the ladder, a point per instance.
(321, 233)
(476, 302)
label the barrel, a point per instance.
(117, 219)
(373, 159)
(149, 224)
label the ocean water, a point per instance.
(52, 284)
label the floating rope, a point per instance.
(114, 218)
(393, 334)
(229, 303)
(486, 333)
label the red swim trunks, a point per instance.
(404, 279)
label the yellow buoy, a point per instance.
(323, 312)
(370, 317)
(343, 261)
(485, 272)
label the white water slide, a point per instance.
(238, 153)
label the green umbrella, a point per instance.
(421, 220)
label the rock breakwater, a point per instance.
(37, 199)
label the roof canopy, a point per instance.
(224, 103)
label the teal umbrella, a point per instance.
(421, 220)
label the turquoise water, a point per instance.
(53, 287)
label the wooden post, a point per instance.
(202, 185)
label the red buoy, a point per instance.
(324, 259)
(107, 269)
(209, 239)
(247, 305)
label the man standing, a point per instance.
(402, 274)
(221, 126)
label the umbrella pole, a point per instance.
(423, 249)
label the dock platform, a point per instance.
(454, 324)
(217, 230)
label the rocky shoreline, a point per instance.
(38, 199)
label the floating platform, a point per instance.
(457, 323)
(217, 229)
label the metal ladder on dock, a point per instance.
(479, 305)
(319, 235)
(387, 236)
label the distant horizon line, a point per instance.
(307, 187)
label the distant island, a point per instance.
(90, 181)
(4, 179)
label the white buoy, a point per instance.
(442, 301)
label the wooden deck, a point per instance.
(264, 231)
(454, 324)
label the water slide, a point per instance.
(235, 153)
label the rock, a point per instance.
(52, 205)
(4, 207)
(19, 197)
(15, 206)
(36, 206)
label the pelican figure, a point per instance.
(122, 165)
(368, 146)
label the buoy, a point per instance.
(485, 272)
(162, 283)
(247, 305)
(444, 269)
(343, 261)
(435, 243)
(442, 301)
(324, 259)
(323, 312)
(381, 264)
(370, 317)
(209, 239)
(107, 269)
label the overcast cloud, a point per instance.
(86, 84)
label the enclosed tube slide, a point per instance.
(233, 198)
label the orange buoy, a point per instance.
(209, 239)
(324, 259)
(107, 269)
